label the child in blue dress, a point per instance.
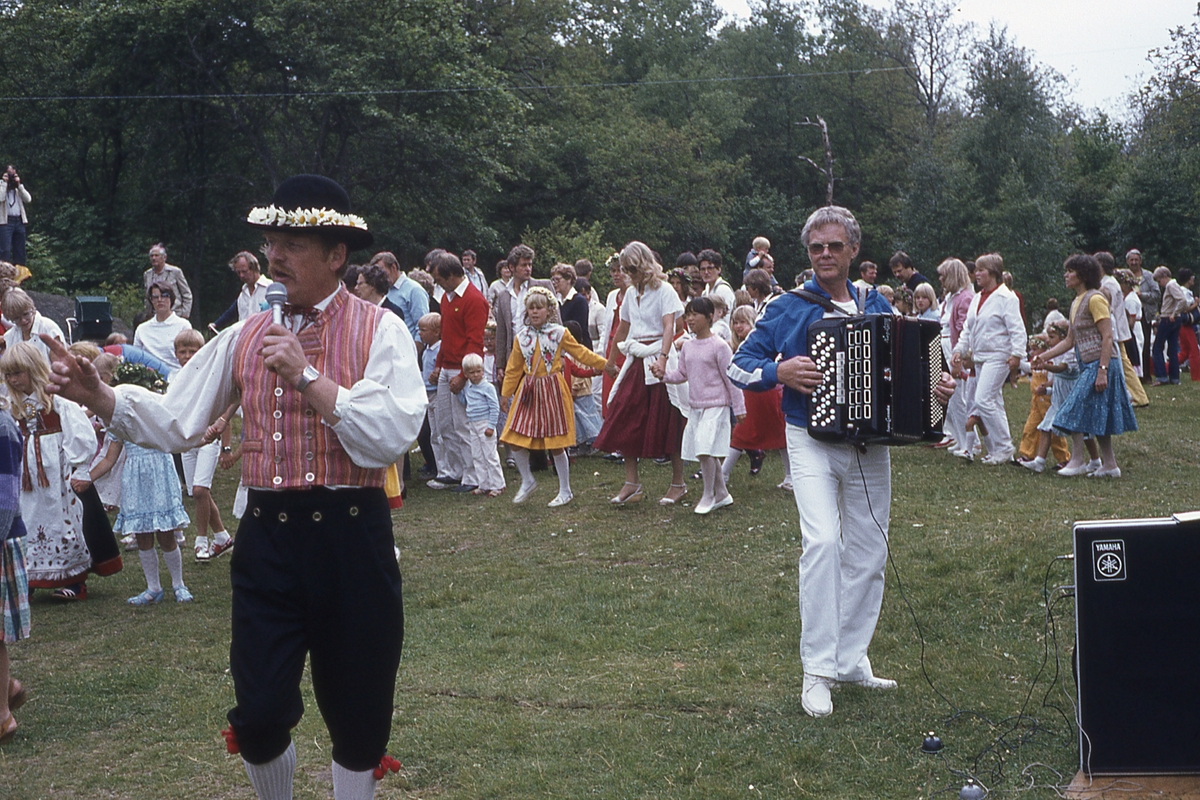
(151, 508)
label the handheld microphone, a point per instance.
(276, 297)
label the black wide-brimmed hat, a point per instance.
(312, 203)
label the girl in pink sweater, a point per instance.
(702, 364)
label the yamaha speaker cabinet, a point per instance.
(1137, 623)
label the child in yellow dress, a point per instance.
(537, 397)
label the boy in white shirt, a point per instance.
(199, 466)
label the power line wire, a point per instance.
(450, 90)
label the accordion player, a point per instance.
(880, 373)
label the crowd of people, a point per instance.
(674, 365)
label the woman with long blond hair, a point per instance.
(640, 421)
(59, 444)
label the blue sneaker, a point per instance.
(147, 598)
(182, 595)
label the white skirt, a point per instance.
(707, 433)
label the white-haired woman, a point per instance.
(640, 421)
(993, 340)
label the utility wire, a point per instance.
(450, 90)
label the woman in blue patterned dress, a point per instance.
(1099, 404)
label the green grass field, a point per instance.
(593, 651)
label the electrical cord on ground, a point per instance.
(1003, 745)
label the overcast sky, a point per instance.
(1100, 46)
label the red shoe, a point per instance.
(217, 549)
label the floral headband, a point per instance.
(542, 290)
(304, 218)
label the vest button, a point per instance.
(308, 456)
(283, 516)
(310, 477)
(308, 412)
(308, 434)
(279, 391)
(278, 459)
(278, 414)
(354, 511)
(316, 516)
(257, 512)
(277, 480)
(277, 436)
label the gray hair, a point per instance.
(833, 215)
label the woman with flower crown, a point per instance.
(537, 397)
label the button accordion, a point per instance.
(880, 372)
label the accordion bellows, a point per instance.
(880, 373)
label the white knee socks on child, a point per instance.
(273, 780)
(149, 559)
(563, 465)
(174, 561)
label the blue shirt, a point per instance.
(481, 402)
(428, 361)
(783, 332)
(413, 301)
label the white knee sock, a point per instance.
(522, 459)
(730, 462)
(273, 780)
(349, 785)
(174, 561)
(563, 464)
(149, 559)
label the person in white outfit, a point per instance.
(843, 493)
(993, 340)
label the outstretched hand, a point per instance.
(75, 378)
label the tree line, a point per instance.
(575, 126)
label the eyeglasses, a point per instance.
(835, 248)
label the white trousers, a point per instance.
(956, 413)
(989, 406)
(452, 424)
(843, 525)
(484, 470)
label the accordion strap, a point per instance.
(825, 303)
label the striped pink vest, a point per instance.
(285, 444)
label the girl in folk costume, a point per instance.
(763, 428)
(151, 504)
(537, 397)
(59, 443)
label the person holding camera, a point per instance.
(12, 232)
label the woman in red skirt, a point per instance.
(763, 428)
(640, 421)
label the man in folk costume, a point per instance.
(330, 399)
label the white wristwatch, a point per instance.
(309, 375)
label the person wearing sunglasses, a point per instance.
(843, 492)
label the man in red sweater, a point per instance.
(464, 316)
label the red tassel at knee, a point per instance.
(231, 742)
(386, 764)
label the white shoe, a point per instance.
(1071, 472)
(561, 500)
(202, 551)
(785, 486)
(1093, 465)
(1034, 464)
(874, 682)
(523, 493)
(815, 697)
(994, 460)
(1115, 472)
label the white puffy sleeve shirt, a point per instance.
(379, 417)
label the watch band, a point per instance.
(309, 375)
